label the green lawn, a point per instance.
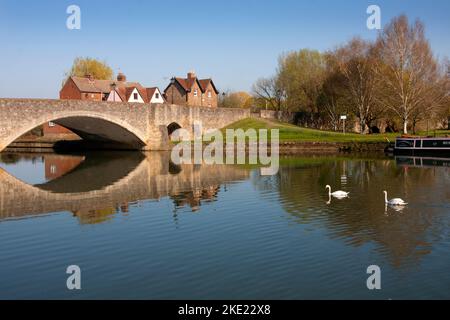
(292, 133)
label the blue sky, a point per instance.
(233, 41)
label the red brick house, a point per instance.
(192, 91)
(88, 88)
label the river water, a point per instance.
(139, 226)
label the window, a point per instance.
(52, 169)
(195, 93)
(51, 124)
(418, 144)
(157, 95)
(135, 95)
(209, 94)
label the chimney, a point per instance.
(191, 74)
(121, 77)
(89, 76)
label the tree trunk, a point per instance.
(405, 126)
(362, 125)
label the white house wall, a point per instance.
(157, 100)
(139, 99)
(114, 97)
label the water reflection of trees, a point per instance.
(403, 237)
(9, 158)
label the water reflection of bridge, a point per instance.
(101, 185)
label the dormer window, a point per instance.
(157, 95)
(135, 96)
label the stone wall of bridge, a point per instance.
(129, 125)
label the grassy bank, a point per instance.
(292, 133)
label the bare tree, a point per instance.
(269, 90)
(409, 72)
(356, 61)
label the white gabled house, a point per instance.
(135, 95)
(154, 95)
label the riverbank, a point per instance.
(293, 140)
(39, 144)
(297, 140)
(285, 147)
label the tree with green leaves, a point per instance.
(240, 99)
(83, 66)
(301, 75)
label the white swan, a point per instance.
(394, 202)
(337, 194)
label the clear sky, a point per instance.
(233, 41)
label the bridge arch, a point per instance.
(91, 126)
(172, 127)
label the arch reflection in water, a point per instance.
(96, 186)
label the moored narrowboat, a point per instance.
(422, 145)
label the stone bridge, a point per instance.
(112, 182)
(124, 125)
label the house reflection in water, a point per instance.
(58, 165)
(97, 186)
(195, 198)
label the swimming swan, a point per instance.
(337, 194)
(394, 202)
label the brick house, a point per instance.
(192, 91)
(88, 88)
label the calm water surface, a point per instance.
(141, 227)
